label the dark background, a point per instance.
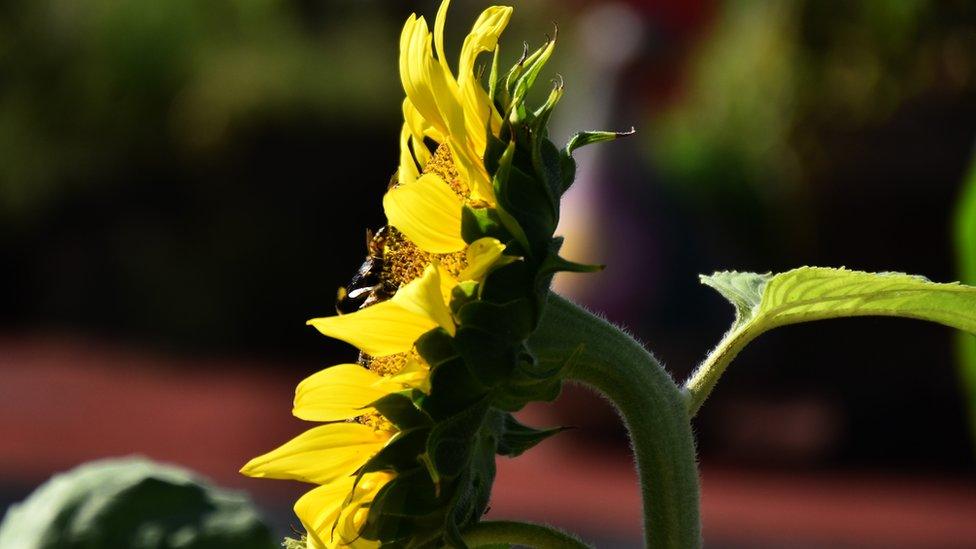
(183, 184)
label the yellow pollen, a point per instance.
(377, 421)
(387, 365)
(403, 261)
(442, 165)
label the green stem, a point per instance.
(703, 380)
(503, 532)
(653, 409)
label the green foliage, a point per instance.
(763, 302)
(773, 82)
(517, 438)
(136, 504)
(965, 241)
(92, 87)
(743, 290)
(814, 293)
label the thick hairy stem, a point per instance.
(652, 407)
(505, 532)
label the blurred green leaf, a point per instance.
(965, 240)
(136, 504)
(91, 87)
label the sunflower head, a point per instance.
(442, 308)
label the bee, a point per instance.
(367, 286)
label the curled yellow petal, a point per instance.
(480, 112)
(318, 510)
(428, 212)
(339, 392)
(414, 49)
(429, 86)
(320, 455)
(393, 326)
(483, 255)
(482, 38)
(332, 515)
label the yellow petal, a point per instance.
(480, 112)
(439, 21)
(393, 326)
(378, 330)
(426, 295)
(482, 38)
(472, 171)
(428, 212)
(429, 86)
(447, 97)
(353, 516)
(419, 129)
(484, 254)
(448, 282)
(329, 513)
(339, 392)
(318, 510)
(407, 172)
(415, 374)
(320, 455)
(414, 52)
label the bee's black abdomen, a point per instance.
(366, 286)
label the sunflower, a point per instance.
(441, 310)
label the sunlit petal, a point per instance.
(339, 392)
(320, 455)
(428, 212)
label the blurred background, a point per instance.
(184, 183)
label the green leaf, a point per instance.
(400, 410)
(493, 76)
(453, 387)
(487, 356)
(450, 443)
(115, 502)
(399, 505)
(481, 222)
(541, 116)
(965, 240)
(743, 290)
(766, 301)
(516, 438)
(553, 263)
(527, 73)
(583, 139)
(500, 184)
(816, 293)
(400, 454)
(464, 293)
